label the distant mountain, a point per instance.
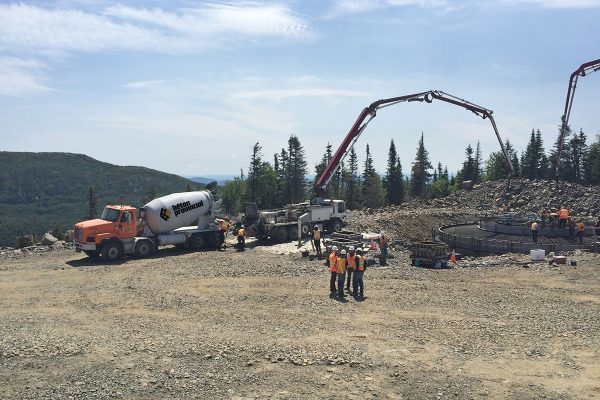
(221, 179)
(41, 191)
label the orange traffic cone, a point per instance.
(453, 257)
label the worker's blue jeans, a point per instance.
(384, 254)
(357, 283)
(341, 278)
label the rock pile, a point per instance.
(415, 219)
(525, 197)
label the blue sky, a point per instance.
(188, 87)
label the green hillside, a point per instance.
(43, 191)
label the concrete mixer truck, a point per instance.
(121, 230)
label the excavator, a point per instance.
(583, 70)
(368, 113)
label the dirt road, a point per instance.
(258, 325)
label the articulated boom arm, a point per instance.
(583, 70)
(370, 112)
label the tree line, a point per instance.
(284, 180)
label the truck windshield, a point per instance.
(110, 214)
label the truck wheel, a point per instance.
(91, 253)
(336, 225)
(293, 232)
(197, 241)
(112, 251)
(280, 234)
(143, 248)
(305, 230)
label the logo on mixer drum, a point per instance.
(165, 214)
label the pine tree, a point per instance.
(592, 163)
(532, 159)
(578, 155)
(468, 170)
(496, 167)
(477, 167)
(372, 189)
(352, 191)
(281, 173)
(254, 176)
(233, 194)
(295, 183)
(320, 167)
(394, 192)
(440, 186)
(566, 168)
(420, 171)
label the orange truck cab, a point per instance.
(112, 235)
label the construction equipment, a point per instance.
(583, 70)
(429, 254)
(287, 223)
(370, 112)
(163, 221)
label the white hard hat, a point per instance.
(334, 248)
(343, 252)
(242, 226)
(381, 233)
(351, 248)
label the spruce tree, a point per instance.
(477, 165)
(393, 177)
(254, 175)
(295, 185)
(496, 167)
(578, 155)
(468, 170)
(372, 189)
(320, 167)
(352, 190)
(592, 163)
(420, 171)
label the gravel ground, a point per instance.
(262, 325)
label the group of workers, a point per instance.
(240, 233)
(346, 267)
(561, 219)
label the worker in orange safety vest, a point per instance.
(317, 239)
(333, 269)
(563, 215)
(241, 238)
(357, 283)
(351, 267)
(341, 273)
(580, 231)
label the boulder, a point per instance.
(48, 239)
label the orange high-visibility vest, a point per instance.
(317, 235)
(341, 265)
(333, 262)
(581, 227)
(361, 263)
(351, 261)
(563, 213)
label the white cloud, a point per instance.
(144, 84)
(341, 7)
(577, 4)
(305, 92)
(28, 27)
(21, 77)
